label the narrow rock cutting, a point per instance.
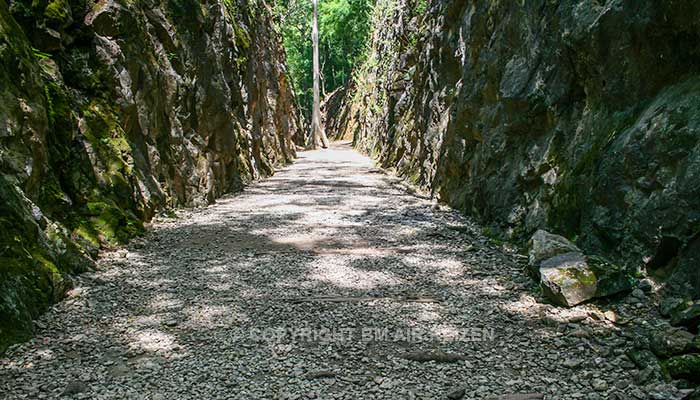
(330, 280)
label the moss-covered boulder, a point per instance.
(544, 245)
(687, 316)
(567, 280)
(670, 342)
(567, 276)
(685, 366)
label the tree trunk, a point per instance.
(317, 132)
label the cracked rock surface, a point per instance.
(329, 280)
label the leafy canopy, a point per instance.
(344, 28)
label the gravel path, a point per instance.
(327, 281)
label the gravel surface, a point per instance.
(329, 280)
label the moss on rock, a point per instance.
(58, 12)
(686, 366)
(98, 131)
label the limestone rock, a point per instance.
(688, 316)
(527, 122)
(153, 106)
(562, 269)
(643, 358)
(670, 342)
(545, 245)
(670, 305)
(567, 280)
(567, 276)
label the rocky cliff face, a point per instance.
(112, 110)
(581, 117)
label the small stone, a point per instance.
(686, 366)
(386, 384)
(577, 318)
(670, 304)
(610, 316)
(647, 375)
(645, 286)
(74, 387)
(642, 358)
(599, 385)
(688, 316)
(621, 384)
(572, 363)
(456, 394)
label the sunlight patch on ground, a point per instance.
(146, 321)
(428, 316)
(212, 316)
(223, 284)
(153, 283)
(330, 271)
(449, 269)
(153, 340)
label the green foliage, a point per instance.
(421, 7)
(40, 54)
(58, 11)
(344, 28)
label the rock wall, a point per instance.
(334, 110)
(582, 117)
(113, 110)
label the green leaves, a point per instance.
(344, 33)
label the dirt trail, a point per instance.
(327, 281)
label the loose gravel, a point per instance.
(330, 280)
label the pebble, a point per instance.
(456, 394)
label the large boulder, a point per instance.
(545, 245)
(670, 342)
(567, 279)
(564, 274)
(688, 316)
(686, 366)
(567, 276)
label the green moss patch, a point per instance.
(58, 12)
(686, 366)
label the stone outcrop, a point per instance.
(686, 367)
(333, 110)
(671, 342)
(113, 110)
(577, 117)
